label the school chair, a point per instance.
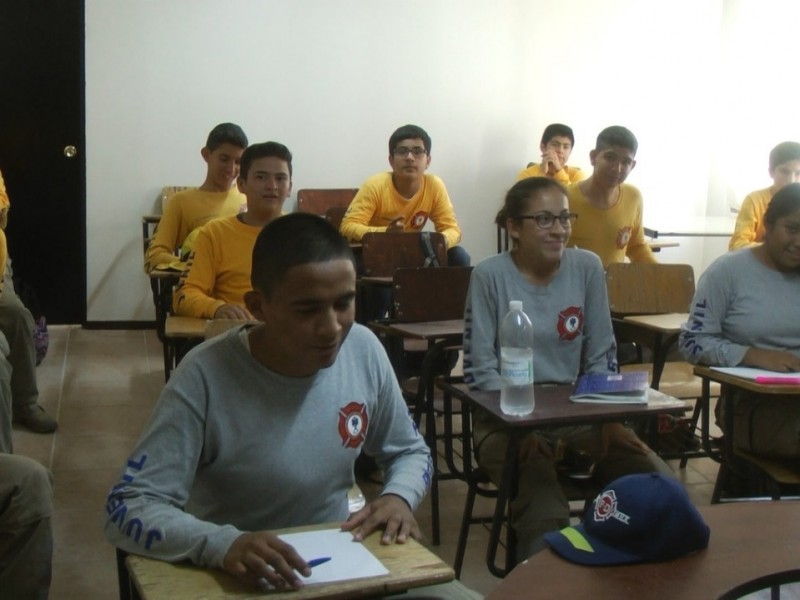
(663, 293)
(318, 201)
(384, 253)
(428, 308)
(334, 215)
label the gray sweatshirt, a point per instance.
(739, 303)
(571, 319)
(233, 447)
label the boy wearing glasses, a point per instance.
(610, 210)
(405, 198)
(556, 146)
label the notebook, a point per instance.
(629, 387)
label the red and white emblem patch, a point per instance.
(419, 219)
(623, 237)
(605, 508)
(353, 424)
(570, 323)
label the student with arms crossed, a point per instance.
(189, 209)
(218, 273)
(405, 198)
(563, 292)
(610, 210)
(259, 429)
(745, 313)
(784, 168)
(556, 146)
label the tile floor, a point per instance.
(101, 385)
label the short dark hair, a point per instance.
(263, 150)
(226, 133)
(407, 132)
(556, 130)
(292, 240)
(785, 201)
(516, 202)
(617, 135)
(783, 152)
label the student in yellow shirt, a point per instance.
(218, 273)
(610, 210)
(556, 146)
(189, 209)
(784, 168)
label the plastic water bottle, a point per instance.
(516, 362)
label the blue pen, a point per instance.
(315, 562)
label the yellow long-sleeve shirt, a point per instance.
(185, 212)
(611, 233)
(749, 229)
(218, 269)
(565, 176)
(377, 203)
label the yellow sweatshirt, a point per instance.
(749, 230)
(565, 176)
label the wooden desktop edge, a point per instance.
(741, 382)
(410, 565)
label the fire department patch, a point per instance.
(605, 508)
(419, 219)
(353, 424)
(570, 323)
(623, 237)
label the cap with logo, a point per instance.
(637, 518)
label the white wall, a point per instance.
(333, 78)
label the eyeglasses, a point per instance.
(402, 151)
(545, 220)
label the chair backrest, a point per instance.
(384, 253)
(319, 201)
(649, 288)
(430, 294)
(334, 215)
(168, 191)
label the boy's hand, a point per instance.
(396, 225)
(389, 511)
(233, 311)
(263, 555)
(772, 360)
(550, 162)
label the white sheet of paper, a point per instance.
(349, 559)
(750, 373)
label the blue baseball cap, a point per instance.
(637, 518)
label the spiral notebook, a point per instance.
(629, 387)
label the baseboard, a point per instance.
(119, 325)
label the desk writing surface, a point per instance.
(746, 384)
(426, 330)
(748, 540)
(662, 323)
(692, 227)
(553, 406)
(410, 565)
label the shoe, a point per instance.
(34, 418)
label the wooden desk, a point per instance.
(775, 468)
(658, 245)
(439, 335)
(410, 565)
(663, 330)
(184, 327)
(553, 408)
(753, 545)
(694, 227)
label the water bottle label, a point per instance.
(517, 371)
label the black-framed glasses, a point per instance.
(546, 219)
(402, 151)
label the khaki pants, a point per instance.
(26, 537)
(540, 505)
(16, 323)
(767, 425)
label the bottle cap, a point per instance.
(515, 305)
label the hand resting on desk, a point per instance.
(233, 311)
(263, 555)
(390, 511)
(773, 360)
